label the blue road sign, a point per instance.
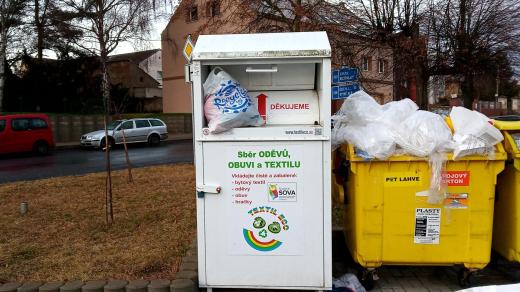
(344, 75)
(344, 91)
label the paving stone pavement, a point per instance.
(427, 279)
(409, 278)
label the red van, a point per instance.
(25, 132)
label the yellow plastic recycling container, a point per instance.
(389, 222)
(506, 232)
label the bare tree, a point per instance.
(343, 26)
(41, 13)
(398, 24)
(104, 25)
(12, 13)
(52, 29)
(279, 15)
(467, 34)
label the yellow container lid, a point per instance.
(500, 154)
(507, 123)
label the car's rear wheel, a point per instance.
(154, 140)
(41, 148)
(103, 143)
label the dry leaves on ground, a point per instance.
(64, 235)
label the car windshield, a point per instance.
(113, 125)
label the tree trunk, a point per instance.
(468, 91)
(3, 45)
(128, 164)
(39, 29)
(421, 82)
(106, 99)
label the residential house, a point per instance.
(194, 17)
(376, 73)
(141, 73)
(443, 87)
(149, 61)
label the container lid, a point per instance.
(506, 124)
(500, 154)
(262, 45)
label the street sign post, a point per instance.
(186, 52)
(344, 82)
(344, 74)
(343, 91)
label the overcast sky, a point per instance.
(153, 43)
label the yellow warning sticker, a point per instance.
(456, 201)
(403, 179)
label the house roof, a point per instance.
(264, 45)
(136, 57)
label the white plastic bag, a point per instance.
(423, 133)
(227, 104)
(369, 126)
(359, 109)
(395, 112)
(473, 134)
(438, 188)
(374, 139)
(348, 282)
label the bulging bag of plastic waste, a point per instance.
(227, 104)
(373, 139)
(360, 108)
(368, 126)
(395, 112)
(473, 134)
(423, 133)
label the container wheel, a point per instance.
(464, 277)
(368, 278)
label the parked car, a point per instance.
(151, 131)
(25, 133)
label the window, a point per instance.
(366, 63)
(142, 124)
(141, 79)
(113, 125)
(213, 8)
(2, 125)
(38, 124)
(127, 125)
(381, 66)
(20, 124)
(192, 13)
(156, 123)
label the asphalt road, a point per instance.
(78, 161)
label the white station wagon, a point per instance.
(151, 131)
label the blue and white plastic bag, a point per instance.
(227, 105)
